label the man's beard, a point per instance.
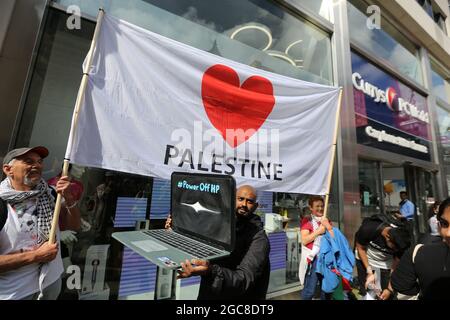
(244, 213)
(31, 182)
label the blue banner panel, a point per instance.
(160, 205)
(278, 253)
(138, 274)
(129, 210)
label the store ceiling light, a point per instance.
(291, 45)
(282, 56)
(258, 27)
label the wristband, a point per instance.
(369, 270)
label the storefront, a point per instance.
(393, 120)
(394, 124)
(262, 34)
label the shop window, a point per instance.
(370, 187)
(387, 42)
(259, 33)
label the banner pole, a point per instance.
(333, 153)
(80, 98)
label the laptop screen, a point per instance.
(203, 205)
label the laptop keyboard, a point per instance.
(195, 248)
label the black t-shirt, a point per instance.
(431, 267)
(369, 234)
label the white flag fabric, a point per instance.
(153, 106)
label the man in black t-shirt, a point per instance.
(379, 246)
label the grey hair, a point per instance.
(11, 162)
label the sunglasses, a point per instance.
(443, 223)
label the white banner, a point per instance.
(153, 106)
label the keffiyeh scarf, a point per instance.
(45, 204)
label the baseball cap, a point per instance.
(40, 150)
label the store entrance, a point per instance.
(382, 182)
(422, 187)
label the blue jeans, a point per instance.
(312, 279)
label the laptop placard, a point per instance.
(203, 205)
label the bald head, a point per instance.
(246, 200)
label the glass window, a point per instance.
(427, 6)
(387, 43)
(369, 187)
(443, 116)
(254, 32)
(320, 7)
(293, 207)
(440, 21)
(441, 86)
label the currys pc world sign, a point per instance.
(390, 97)
(389, 115)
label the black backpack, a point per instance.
(3, 213)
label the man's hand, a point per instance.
(46, 252)
(321, 229)
(371, 278)
(168, 224)
(385, 295)
(63, 187)
(195, 267)
(68, 236)
(326, 223)
(398, 215)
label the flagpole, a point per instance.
(78, 103)
(333, 153)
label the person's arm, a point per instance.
(71, 218)
(362, 253)
(45, 253)
(70, 213)
(251, 267)
(309, 236)
(387, 293)
(237, 281)
(404, 277)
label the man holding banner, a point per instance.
(30, 266)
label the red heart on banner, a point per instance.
(237, 112)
